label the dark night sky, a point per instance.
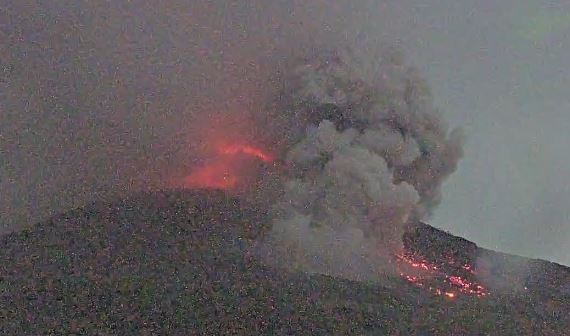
(100, 97)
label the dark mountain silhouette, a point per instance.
(176, 263)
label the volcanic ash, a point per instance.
(366, 152)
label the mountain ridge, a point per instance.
(176, 262)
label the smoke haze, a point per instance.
(366, 153)
(103, 98)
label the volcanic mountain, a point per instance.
(178, 263)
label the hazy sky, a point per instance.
(501, 70)
(98, 96)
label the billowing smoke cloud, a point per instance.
(365, 153)
(116, 104)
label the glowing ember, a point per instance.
(432, 272)
(450, 295)
(468, 268)
(221, 171)
(245, 149)
(416, 262)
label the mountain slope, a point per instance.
(177, 263)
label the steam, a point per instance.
(365, 153)
(503, 273)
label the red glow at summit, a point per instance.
(224, 169)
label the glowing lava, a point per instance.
(222, 171)
(434, 280)
(247, 150)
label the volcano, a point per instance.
(178, 263)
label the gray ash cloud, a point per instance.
(365, 152)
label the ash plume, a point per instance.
(365, 152)
(126, 100)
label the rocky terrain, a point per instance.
(177, 263)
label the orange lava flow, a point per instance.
(245, 149)
(439, 283)
(222, 171)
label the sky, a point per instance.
(500, 71)
(100, 98)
